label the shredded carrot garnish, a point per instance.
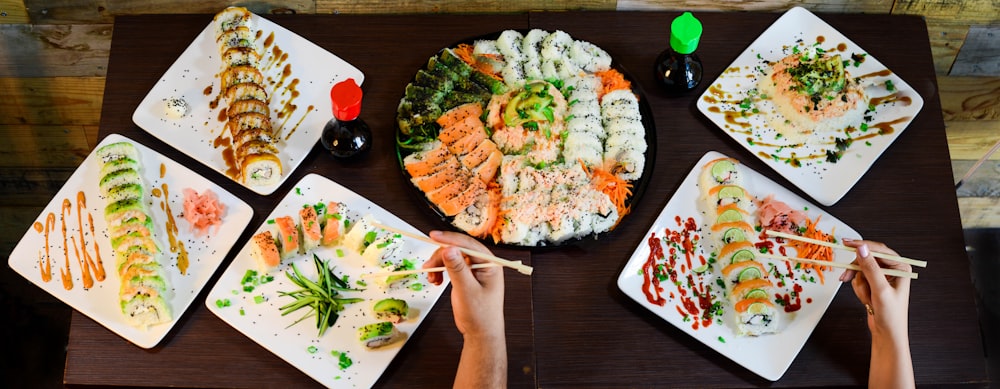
(617, 189)
(464, 51)
(813, 251)
(612, 80)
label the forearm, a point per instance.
(891, 366)
(483, 363)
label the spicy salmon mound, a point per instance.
(813, 94)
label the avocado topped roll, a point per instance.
(391, 309)
(379, 334)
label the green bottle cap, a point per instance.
(685, 31)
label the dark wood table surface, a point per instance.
(568, 325)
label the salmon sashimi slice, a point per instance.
(460, 112)
(487, 170)
(466, 145)
(463, 200)
(423, 162)
(479, 154)
(439, 179)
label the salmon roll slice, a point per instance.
(132, 257)
(742, 272)
(264, 251)
(241, 74)
(758, 288)
(459, 113)
(722, 171)
(288, 236)
(729, 194)
(449, 191)
(311, 231)
(480, 153)
(737, 252)
(479, 218)
(246, 91)
(756, 316)
(335, 224)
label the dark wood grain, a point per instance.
(569, 325)
(588, 334)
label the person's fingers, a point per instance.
(458, 270)
(869, 266)
(847, 275)
(436, 260)
(861, 289)
(460, 240)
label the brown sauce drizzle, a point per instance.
(176, 246)
(710, 100)
(269, 40)
(820, 39)
(223, 115)
(905, 100)
(880, 73)
(842, 47)
(207, 91)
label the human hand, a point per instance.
(477, 294)
(885, 297)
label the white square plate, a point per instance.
(262, 322)
(825, 182)
(769, 355)
(300, 99)
(100, 302)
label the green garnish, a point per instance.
(343, 361)
(322, 296)
(370, 237)
(242, 312)
(340, 253)
(312, 349)
(888, 86)
(258, 299)
(222, 303)
(416, 286)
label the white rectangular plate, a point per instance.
(300, 99)
(769, 355)
(262, 322)
(825, 182)
(100, 302)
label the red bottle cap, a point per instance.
(346, 99)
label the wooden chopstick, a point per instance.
(914, 262)
(520, 267)
(427, 270)
(850, 266)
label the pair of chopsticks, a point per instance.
(891, 272)
(494, 260)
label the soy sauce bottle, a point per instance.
(346, 135)
(678, 68)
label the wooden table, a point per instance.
(569, 325)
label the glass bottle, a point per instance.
(678, 68)
(346, 135)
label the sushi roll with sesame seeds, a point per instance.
(379, 334)
(231, 18)
(381, 248)
(391, 309)
(756, 316)
(288, 236)
(264, 251)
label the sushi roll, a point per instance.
(723, 195)
(379, 334)
(531, 46)
(381, 248)
(246, 91)
(620, 103)
(115, 151)
(119, 178)
(143, 311)
(151, 285)
(589, 57)
(391, 310)
(240, 74)
(288, 236)
(486, 51)
(124, 163)
(261, 169)
(554, 45)
(736, 252)
(335, 224)
(231, 18)
(117, 213)
(756, 316)
(509, 44)
(722, 171)
(132, 191)
(264, 251)
(362, 234)
(752, 289)
(133, 257)
(311, 231)
(241, 56)
(742, 272)
(248, 106)
(235, 38)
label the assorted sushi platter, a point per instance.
(811, 104)
(308, 285)
(526, 138)
(114, 243)
(242, 99)
(705, 265)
